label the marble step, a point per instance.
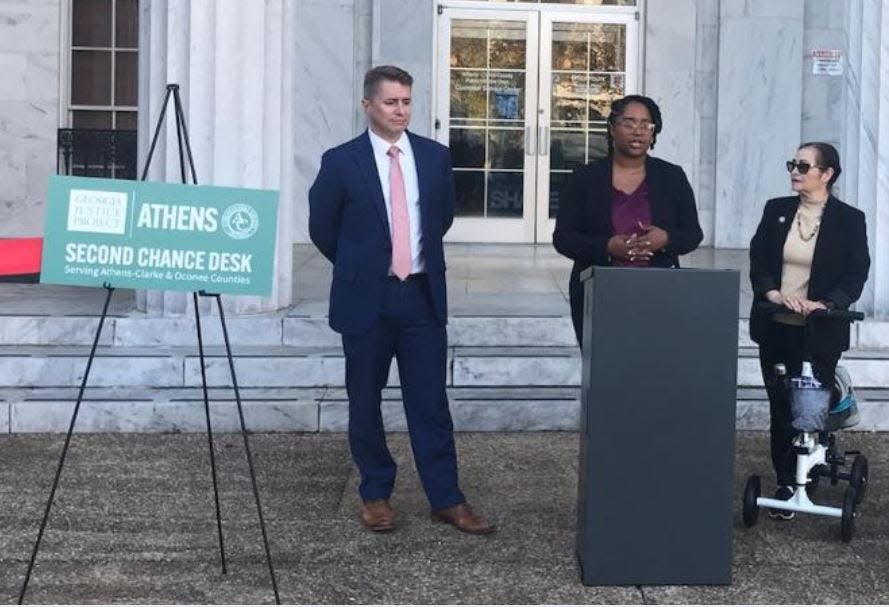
(132, 409)
(312, 331)
(266, 330)
(282, 367)
(561, 366)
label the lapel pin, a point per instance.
(781, 219)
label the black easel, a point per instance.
(184, 152)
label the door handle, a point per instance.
(543, 140)
(530, 147)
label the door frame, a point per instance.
(534, 226)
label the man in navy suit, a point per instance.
(378, 210)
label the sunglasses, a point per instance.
(802, 166)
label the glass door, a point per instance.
(487, 98)
(522, 98)
(585, 64)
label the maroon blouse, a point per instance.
(627, 211)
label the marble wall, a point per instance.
(29, 111)
(403, 35)
(680, 67)
(331, 52)
(759, 109)
(669, 78)
(823, 94)
(706, 101)
(337, 42)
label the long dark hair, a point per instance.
(618, 106)
(828, 157)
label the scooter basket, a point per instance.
(809, 407)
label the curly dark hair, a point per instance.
(618, 106)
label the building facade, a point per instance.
(519, 89)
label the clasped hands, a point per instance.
(639, 245)
(800, 305)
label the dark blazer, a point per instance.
(349, 225)
(583, 223)
(839, 265)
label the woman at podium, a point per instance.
(809, 252)
(628, 208)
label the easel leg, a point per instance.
(185, 153)
(55, 483)
(231, 364)
(197, 317)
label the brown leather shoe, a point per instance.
(463, 518)
(378, 516)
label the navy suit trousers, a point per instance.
(405, 328)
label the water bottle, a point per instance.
(809, 402)
(806, 378)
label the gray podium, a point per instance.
(657, 442)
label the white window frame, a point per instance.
(66, 55)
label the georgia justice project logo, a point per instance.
(240, 221)
(97, 211)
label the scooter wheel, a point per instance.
(752, 492)
(847, 522)
(858, 477)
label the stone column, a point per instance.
(331, 53)
(29, 111)
(880, 221)
(670, 70)
(234, 63)
(391, 19)
(759, 109)
(865, 149)
(825, 28)
(706, 106)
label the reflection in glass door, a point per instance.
(521, 101)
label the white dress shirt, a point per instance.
(411, 187)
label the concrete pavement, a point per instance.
(133, 522)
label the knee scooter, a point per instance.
(816, 452)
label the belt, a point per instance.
(410, 277)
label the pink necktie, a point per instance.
(400, 228)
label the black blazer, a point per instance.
(839, 265)
(583, 223)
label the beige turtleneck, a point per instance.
(799, 247)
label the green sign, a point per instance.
(169, 236)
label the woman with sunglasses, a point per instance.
(809, 253)
(629, 208)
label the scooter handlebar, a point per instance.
(850, 315)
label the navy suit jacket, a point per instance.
(840, 264)
(349, 224)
